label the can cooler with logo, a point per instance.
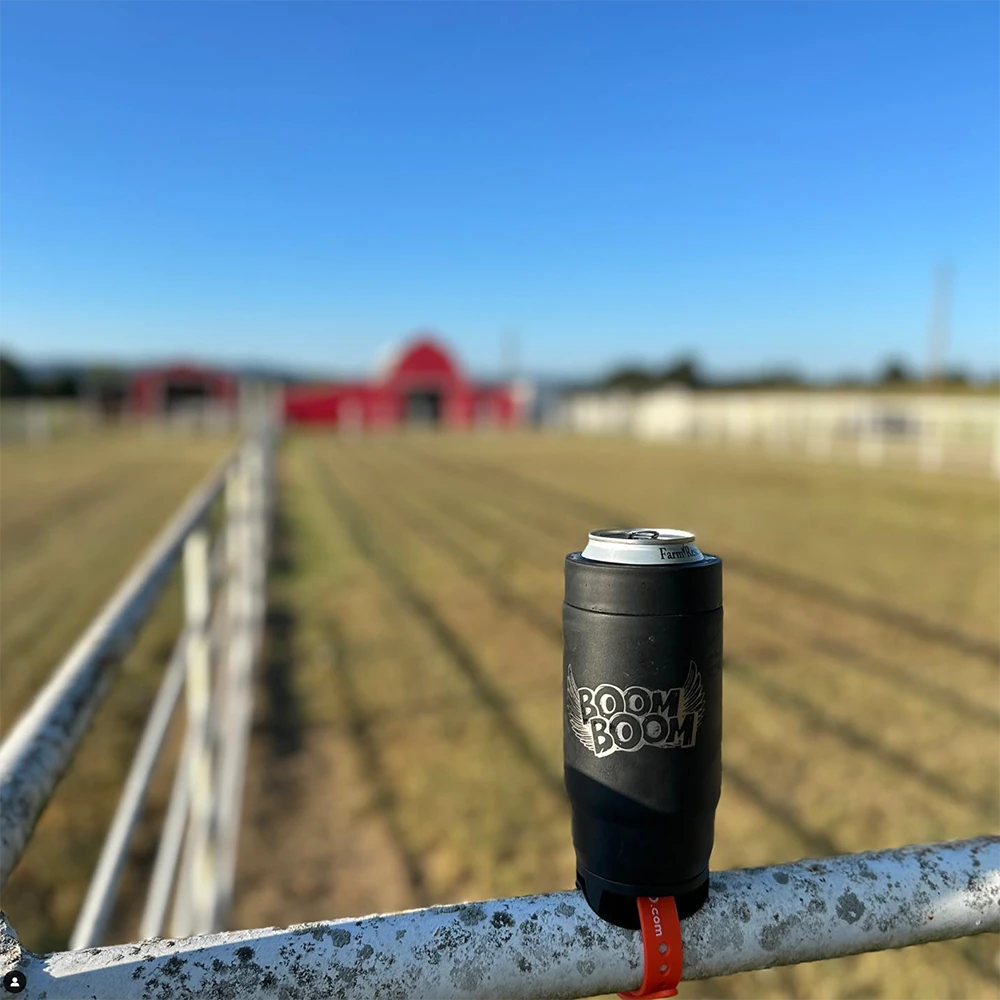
(642, 723)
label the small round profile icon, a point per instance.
(15, 981)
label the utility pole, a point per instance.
(939, 328)
(510, 361)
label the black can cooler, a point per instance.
(642, 722)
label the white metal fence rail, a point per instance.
(535, 946)
(553, 945)
(212, 661)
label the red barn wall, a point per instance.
(423, 367)
(147, 391)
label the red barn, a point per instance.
(422, 384)
(162, 390)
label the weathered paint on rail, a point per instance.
(552, 945)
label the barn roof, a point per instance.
(421, 355)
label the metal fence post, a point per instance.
(38, 422)
(161, 882)
(196, 856)
(244, 544)
(930, 438)
(819, 432)
(194, 891)
(871, 440)
(41, 744)
(96, 909)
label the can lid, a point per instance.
(642, 547)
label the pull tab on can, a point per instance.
(642, 547)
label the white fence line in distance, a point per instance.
(933, 433)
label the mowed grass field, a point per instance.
(407, 748)
(75, 515)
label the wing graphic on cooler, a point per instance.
(575, 713)
(693, 695)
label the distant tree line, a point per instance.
(685, 371)
(22, 381)
(18, 381)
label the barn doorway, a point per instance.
(109, 401)
(423, 407)
(181, 395)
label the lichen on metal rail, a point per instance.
(552, 945)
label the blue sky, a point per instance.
(306, 183)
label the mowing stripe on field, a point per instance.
(750, 566)
(854, 738)
(858, 740)
(846, 733)
(939, 692)
(508, 598)
(32, 611)
(428, 517)
(551, 629)
(368, 747)
(367, 543)
(315, 667)
(502, 593)
(865, 664)
(26, 535)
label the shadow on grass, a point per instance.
(360, 731)
(976, 953)
(282, 718)
(283, 722)
(851, 736)
(402, 587)
(553, 498)
(501, 593)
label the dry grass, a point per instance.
(408, 739)
(407, 746)
(74, 516)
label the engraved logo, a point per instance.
(608, 718)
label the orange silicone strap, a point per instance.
(662, 955)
